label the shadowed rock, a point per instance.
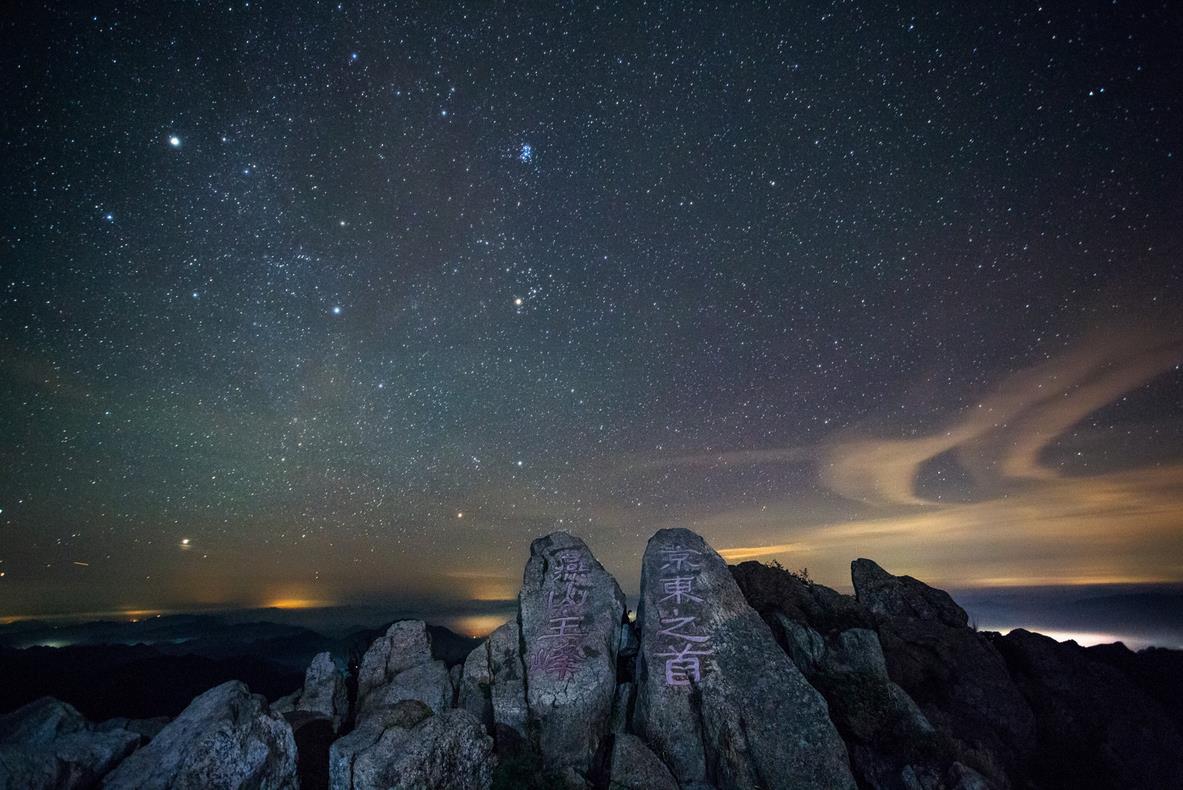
(903, 596)
(48, 744)
(1096, 728)
(226, 738)
(636, 767)
(570, 612)
(956, 675)
(718, 700)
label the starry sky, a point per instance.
(312, 303)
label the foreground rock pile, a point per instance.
(745, 677)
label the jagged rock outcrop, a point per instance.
(1096, 727)
(405, 747)
(226, 738)
(48, 744)
(570, 610)
(955, 674)
(903, 596)
(718, 700)
(831, 638)
(323, 693)
(399, 666)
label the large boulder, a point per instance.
(718, 700)
(903, 596)
(1096, 727)
(570, 612)
(48, 744)
(405, 747)
(226, 738)
(399, 666)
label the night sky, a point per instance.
(333, 303)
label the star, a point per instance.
(174, 141)
(336, 310)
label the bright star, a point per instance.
(174, 141)
(336, 309)
(517, 301)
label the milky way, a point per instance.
(344, 302)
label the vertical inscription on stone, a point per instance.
(559, 651)
(683, 641)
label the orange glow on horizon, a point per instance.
(478, 624)
(296, 603)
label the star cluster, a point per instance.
(350, 301)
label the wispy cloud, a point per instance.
(1022, 519)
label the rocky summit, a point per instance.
(747, 676)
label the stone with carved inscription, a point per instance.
(718, 700)
(571, 611)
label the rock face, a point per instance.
(48, 744)
(718, 700)
(226, 738)
(399, 666)
(404, 746)
(903, 596)
(570, 612)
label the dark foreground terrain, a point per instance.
(743, 676)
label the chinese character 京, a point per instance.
(678, 558)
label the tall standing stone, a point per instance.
(571, 610)
(718, 700)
